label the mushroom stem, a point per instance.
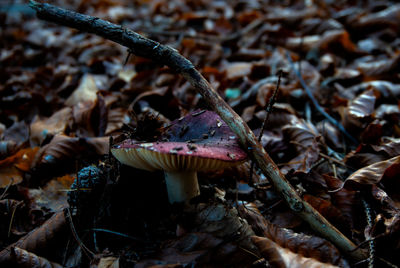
(181, 185)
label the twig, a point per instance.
(268, 110)
(12, 217)
(316, 104)
(84, 248)
(7, 187)
(150, 49)
(118, 234)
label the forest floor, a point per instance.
(68, 97)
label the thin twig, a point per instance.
(163, 54)
(271, 102)
(84, 248)
(118, 234)
(12, 217)
(7, 187)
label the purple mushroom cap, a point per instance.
(199, 141)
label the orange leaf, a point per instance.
(12, 168)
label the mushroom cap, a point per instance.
(200, 141)
(173, 156)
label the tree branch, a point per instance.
(150, 49)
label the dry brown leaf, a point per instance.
(281, 257)
(201, 249)
(107, 262)
(22, 258)
(56, 124)
(90, 117)
(379, 69)
(305, 160)
(238, 70)
(373, 174)
(52, 196)
(327, 209)
(390, 146)
(302, 132)
(13, 167)
(309, 246)
(63, 151)
(359, 111)
(346, 201)
(223, 222)
(43, 240)
(86, 91)
(386, 18)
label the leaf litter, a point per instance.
(66, 96)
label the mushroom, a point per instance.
(201, 141)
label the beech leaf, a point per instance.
(281, 257)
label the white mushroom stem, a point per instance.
(181, 185)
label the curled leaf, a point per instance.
(359, 111)
(63, 151)
(373, 174)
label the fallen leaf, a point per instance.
(86, 91)
(108, 262)
(52, 196)
(22, 258)
(13, 167)
(308, 246)
(373, 174)
(360, 111)
(56, 124)
(281, 257)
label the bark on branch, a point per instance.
(150, 49)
